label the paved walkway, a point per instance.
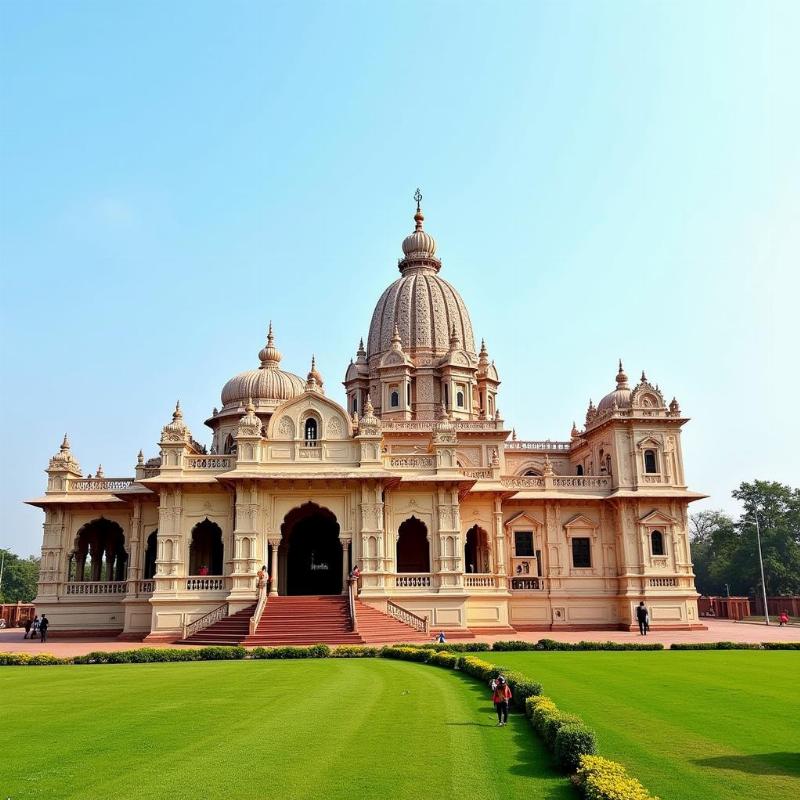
(11, 641)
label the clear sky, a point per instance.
(603, 179)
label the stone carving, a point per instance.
(286, 428)
(334, 428)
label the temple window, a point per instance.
(408, 394)
(311, 432)
(579, 469)
(581, 552)
(460, 399)
(523, 543)
(650, 462)
(657, 543)
(394, 399)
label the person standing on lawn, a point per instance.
(44, 623)
(643, 618)
(501, 694)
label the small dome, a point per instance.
(268, 383)
(620, 397)
(419, 243)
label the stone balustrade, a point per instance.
(526, 584)
(545, 446)
(99, 484)
(204, 583)
(96, 587)
(412, 581)
(473, 581)
(410, 462)
(219, 463)
(662, 583)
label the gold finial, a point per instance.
(418, 217)
(418, 197)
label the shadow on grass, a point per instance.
(756, 764)
(532, 758)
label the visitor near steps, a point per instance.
(501, 694)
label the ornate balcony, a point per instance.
(96, 587)
(413, 581)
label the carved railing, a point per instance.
(209, 462)
(220, 612)
(151, 472)
(528, 482)
(581, 482)
(99, 484)
(310, 452)
(426, 425)
(526, 584)
(203, 583)
(410, 462)
(409, 581)
(546, 446)
(141, 587)
(662, 582)
(263, 596)
(408, 617)
(480, 581)
(479, 474)
(352, 593)
(658, 479)
(96, 587)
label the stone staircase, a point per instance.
(305, 620)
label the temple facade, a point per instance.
(418, 479)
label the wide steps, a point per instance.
(307, 620)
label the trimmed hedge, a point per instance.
(599, 778)
(420, 655)
(573, 740)
(314, 651)
(716, 646)
(450, 647)
(781, 645)
(510, 645)
(552, 644)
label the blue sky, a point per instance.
(603, 179)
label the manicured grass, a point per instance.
(721, 725)
(249, 729)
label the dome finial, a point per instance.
(418, 217)
(269, 355)
(622, 378)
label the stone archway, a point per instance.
(476, 550)
(310, 554)
(99, 553)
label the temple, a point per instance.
(454, 521)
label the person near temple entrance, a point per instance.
(43, 626)
(28, 623)
(262, 576)
(501, 694)
(203, 570)
(643, 618)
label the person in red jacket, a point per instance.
(783, 619)
(501, 694)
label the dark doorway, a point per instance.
(312, 551)
(150, 555)
(476, 550)
(205, 549)
(413, 552)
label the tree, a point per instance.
(726, 552)
(19, 577)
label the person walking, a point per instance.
(34, 626)
(28, 623)
(501, 694)
(44, 624)
(643, 618)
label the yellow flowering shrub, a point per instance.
(602, 779)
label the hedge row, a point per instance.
(716, 646)
(601, 779)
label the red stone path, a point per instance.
(11, 641)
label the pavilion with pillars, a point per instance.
(417, 478)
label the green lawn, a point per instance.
(251, 729)
(705, 725)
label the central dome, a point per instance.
(424, 307)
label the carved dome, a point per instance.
(621, 396)
(268, 383)
(424, 307)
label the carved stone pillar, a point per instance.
(345, 543)
(244, 564)
(273, 566)
(374, 561)
(499, 538)
(449, 564)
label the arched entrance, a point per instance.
(310, 554)
(205, 549)
(413, 550)
(476, 550)
(99, 553)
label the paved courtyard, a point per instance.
(11, 641)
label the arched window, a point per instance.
(150, 556)
(650, 462)
(476, 550)
(446, 395)
(460, 399)
(355, 404)
(532, 473)
(608, 465)
(413, 552)
(99, 553)
(408, 394)
(657, 543)
(579, 469)
(394, 399)
(310, 430)
(229, 447)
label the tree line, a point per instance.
(725, 550)
(19, 576)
